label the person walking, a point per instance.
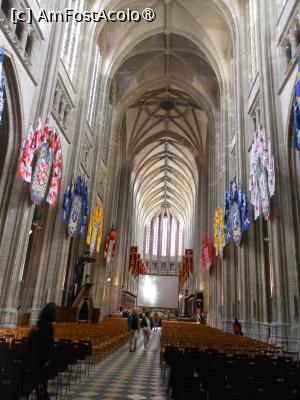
(202, 318)
(146, 327)
(155, 321)
(133, 328)
(41, 341)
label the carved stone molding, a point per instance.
(24, 37)
(62, 108)
(86, 155)
(102, 181)
(289, 43)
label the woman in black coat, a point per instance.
(41, 343)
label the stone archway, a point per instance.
(10, 135)
(294, 166)
(177, 59)
(11, 196)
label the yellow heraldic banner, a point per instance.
(219, 234)
(94, 232)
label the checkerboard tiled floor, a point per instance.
(125, 376)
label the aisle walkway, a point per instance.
(125, 376)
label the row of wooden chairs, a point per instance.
(191, 335)
(106, 336)
(13, 333)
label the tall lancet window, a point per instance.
(93, 88)
(173, 238)
(148, 234)
(164, 236)
(180, 237)
(69, 51)
(155, 236)
(252, 13)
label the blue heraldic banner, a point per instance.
(236, 220)
(75, 207)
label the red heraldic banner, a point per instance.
(206, 253)
(185, 269)
(110, 245)
(41, 162)
(189, 261)
(132, 258)
(137, 266)
(183, 273)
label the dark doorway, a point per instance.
(84, 312)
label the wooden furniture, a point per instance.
(184, 335)
(106, 336)
(84, 300)
(23, 319)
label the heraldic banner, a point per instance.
(132, 258)
(40, 163)
(206, 253)
(235, 213)
(186, 268)
(262, 174)
(94, 231)
(136, 265)
(110, 245)
(219, 234)
(75, 207)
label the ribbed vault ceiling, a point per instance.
(165, 178)
(166, 79)
(185, 120)
(166, 127)
(165, 145)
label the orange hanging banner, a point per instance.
(132, 258)
(137, 266)
(189, 260)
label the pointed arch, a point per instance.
(10, 134)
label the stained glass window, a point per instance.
(164, 236)
(155, 236)
(147, 247)
(180, 237)
(93, 88)
(69, 51)
(173, 238)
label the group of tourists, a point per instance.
(41, 339)
(144, 322)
